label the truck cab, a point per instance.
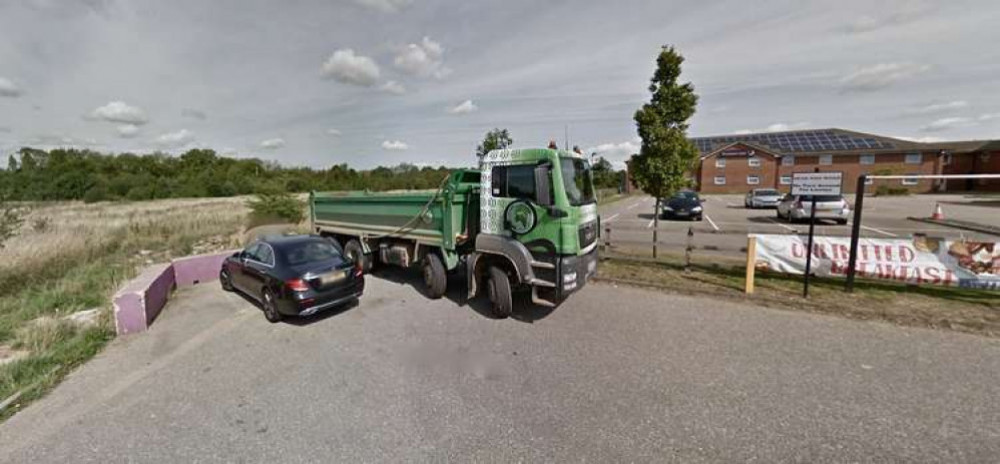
(538, 224)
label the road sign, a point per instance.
(817, 183)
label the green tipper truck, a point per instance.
(525, 219)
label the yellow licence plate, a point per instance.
(332, 277)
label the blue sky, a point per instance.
(369, 82)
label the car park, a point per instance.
(794, 208)
(683, 205)
(293, 275)
(762, 198)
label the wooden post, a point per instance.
(751, 263)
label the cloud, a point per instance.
(947, 123)
(935, 108)
(880, 76)
(228, 151)
(394, 88)
(385, 6)
(781, 127)
(175, 139)
(273, 144)
(333, 132)
(194, 114)
(57, 140)
(743, 131)
(127, 131)
(394, 145)
(346, 67)
(928, 139)
(425, 59)
(616, 153)
(9, 89)
(463, 108)
(989, 117)
(120, 112)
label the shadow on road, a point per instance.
(527, 312)
(304, 320)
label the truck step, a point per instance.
(536, 282)
(542, 265)
(539, 300)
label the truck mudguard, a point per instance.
(513, 250)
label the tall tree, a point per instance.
(495, 139)
(666, 156)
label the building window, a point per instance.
(720, 162)
(788, 160)
(753, 162)
(910, 180)
(914, 158)
(753, 180)
(786, 180)
(867, 159)
(720, 180)
(946, 159)
(825, 160)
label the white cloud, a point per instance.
(127, 131)
(947, 123)
(781, 127)
(176, 139)
(616, 153)
(120, 112)
(463, 108)
(9, 89)
(989, 116)
(344, 66)
(333, 132)
(394, 145)
(385, 6)
(194, 114)
(943, 107)
(425, 59)
(58, 140)
(228, 151)
(743, 131)
(929, 139)
(879, 76)
(394, 88)
(273, 144)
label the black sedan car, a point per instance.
(683, 205)
(293, 276)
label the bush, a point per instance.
(96, 193)
(41, 224)
(11, 219)
(885, 190)
(275, 207)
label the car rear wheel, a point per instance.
(435, 277)
(355, 252)
(498, 289)
(270, 307)
(226, 280)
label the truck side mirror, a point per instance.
(543, 196)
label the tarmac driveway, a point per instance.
(615, 374)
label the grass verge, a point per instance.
(963, 310)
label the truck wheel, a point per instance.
(498, 289)
(435, 278)
(356, 253)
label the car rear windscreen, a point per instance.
(821, 198)
(310, 252)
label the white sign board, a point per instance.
(817, 183)
(918, 261)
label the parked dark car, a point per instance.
(294, 275)
(683, 205)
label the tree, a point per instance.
(11, 219)
(666, 156)
(495, 139)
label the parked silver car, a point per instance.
(795, 208)
(762, 198)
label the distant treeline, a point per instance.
(73, 174)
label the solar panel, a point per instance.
(812, 140)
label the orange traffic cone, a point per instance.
(938, 214)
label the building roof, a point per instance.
(831, 140)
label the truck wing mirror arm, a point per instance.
(543, 189)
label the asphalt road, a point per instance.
(614, 374)
(726, 222)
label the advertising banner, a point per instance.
(919, 261)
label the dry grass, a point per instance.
(71, 256)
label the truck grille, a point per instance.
(588, 234)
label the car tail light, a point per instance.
(297, 285)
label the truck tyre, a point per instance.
(435, 277)
(356, 253)
(498, 289)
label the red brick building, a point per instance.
(738, 163)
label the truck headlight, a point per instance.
(569, 277)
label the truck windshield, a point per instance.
(576, 176)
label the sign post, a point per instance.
(811, 185)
